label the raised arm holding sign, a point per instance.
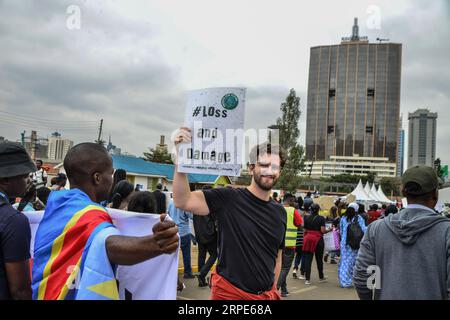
(252, 225)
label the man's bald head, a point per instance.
(89, 167)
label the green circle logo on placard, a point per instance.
(230, 101)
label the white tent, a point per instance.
(382, 196)
(374, 194)
(358, 187)
(367, 188)
(359, 193)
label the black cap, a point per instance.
(424, 176)
(288, 195)
(14, 160)
(315, 207)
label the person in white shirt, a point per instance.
(40, 176)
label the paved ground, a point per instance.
(329, 290)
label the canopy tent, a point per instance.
(359, 186)
(369, 194)
(359, 193)
(382, 196)
(367, 188)
(374, 194)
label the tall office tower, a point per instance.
(422, 138)
(353, 105)
(401, 149)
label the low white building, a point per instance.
(148, 174)
(350, 165)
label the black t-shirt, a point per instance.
(15, 238)
(251, 231)
(314, 222)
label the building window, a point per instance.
(330, 129)
(332, 93)
(371, 92)
(369, 129)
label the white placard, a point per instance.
(216, 119)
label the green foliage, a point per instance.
(288, 122)
(369, 177)
(350, 178)
(289, 133)
(391, 185)
(438, 168)
(158, 155)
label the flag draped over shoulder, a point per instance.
(70, 259)
(64, 243)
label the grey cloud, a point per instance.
(108, 70)
(111, 69)
(424, 30)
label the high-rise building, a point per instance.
(58, 147)
(401, 149)
(353, 104)
(422, 138)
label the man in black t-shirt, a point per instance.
(15, 233)
(252, 226)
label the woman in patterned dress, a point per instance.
(348, 255)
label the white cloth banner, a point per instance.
(154, 279)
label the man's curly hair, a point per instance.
(266, 148)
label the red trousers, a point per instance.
(221, 289)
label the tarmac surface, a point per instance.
(329, 290)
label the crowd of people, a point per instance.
(255, 239)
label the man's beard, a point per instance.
(266, 186)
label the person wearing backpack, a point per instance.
(352, 227)
(206, 236)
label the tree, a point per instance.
(158, 155)
(391, 186)
(438, 168)
(345, 178)
(289, 133)
(370, 177)
(351, 178)
(290, 179)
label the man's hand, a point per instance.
(183, 198)
(166, 235)
(182, 135)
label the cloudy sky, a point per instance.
(131, 62)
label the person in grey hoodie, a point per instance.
(406, 256)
